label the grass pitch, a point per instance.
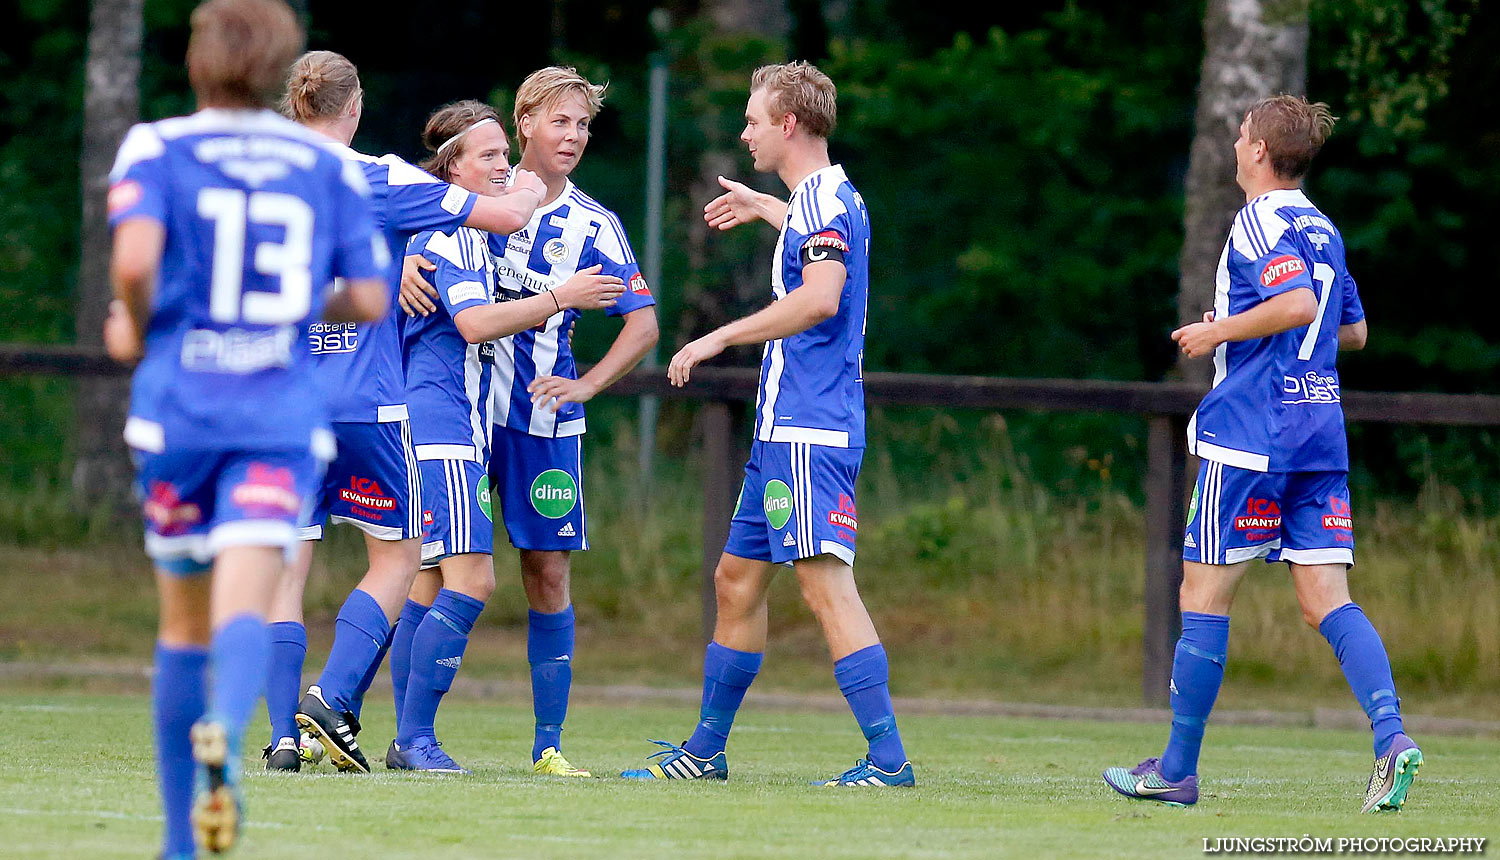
(78, 782)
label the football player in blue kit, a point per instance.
(374, 484)
(449, 357)
(536, 460)
(1273, 478)
(797, 503)
(229, 224)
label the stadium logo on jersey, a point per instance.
(169, 515)
(778, 504)
(123, 196)
(1260, 515)
(1339, 519)
(482, 495)
(638, 284)
(268, 488)
(555, 251)
(1281, 270)
(327, 338)
(554, 494)
(366, 493)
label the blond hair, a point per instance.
(447, 123)
(239, 51)
(545, 86)
(1294, 130)
(802, 90)
(321, 85)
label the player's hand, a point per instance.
(734, 207)
(692, 355)
(525, 180)
(416, 293)
(1198, 339)
(588, 290)
(121, 338)
(553, 392)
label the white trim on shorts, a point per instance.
(1326, 555)
(272, 533)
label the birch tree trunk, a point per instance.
(111, 104)
(1253, 49)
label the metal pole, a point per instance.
(656, 184)
(1166, 471)
(718, 482)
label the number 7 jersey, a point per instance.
(1275, 405)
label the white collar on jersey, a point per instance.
(833, 172)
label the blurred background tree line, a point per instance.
(1025, 165)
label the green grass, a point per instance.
(79, 782)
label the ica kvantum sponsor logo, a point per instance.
(366, 493)
(1260, 514)
(267, 487)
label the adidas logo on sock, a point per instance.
(788, 540)
(566, 531)
(450, 662)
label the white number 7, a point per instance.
(1323, 274)
(289, 260)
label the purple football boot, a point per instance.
(1145, 782)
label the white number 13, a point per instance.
(289, 261)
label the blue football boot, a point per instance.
(678, 763)
(865, 773)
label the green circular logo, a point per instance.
(778, 504)
(554, 493)
(1193, 506)
(483, 495)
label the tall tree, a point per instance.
(1252, 49)
(111, 104)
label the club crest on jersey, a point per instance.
(123, 196)
(555, 251)
(1281, 270)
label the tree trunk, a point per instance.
(1249, 53)
(111, 104)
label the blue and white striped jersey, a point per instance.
(812, 383)
(361, 365)
(1275, 405)
(448, 378)
(573, 232)
(261, 215)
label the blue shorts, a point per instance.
(456, 509)
(373, 483)
(797, 502)
(1298, 517)
(539, 480)
(197, 503)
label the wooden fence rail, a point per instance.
(1165, 405)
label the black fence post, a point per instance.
(720, 479)
(1166, 471)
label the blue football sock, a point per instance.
(727, 674)
(549, 650)
(357, 701)
(284, 680)
(1197, 673)
(437, 649)
(177, 701)
(406, 627)
(1368, 669)
(358, 634)
(864, 679)
(240, 655)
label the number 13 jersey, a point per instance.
(1275, 405)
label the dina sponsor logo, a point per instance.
(554, 494)
(1281, 270)
(777, 503)
(482, 496)
(366, 493)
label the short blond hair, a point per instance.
(802, 90)
(1294, 130)
(240, 50)
(545, 86)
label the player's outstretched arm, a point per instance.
(586, 290)
(361, 300)
(741, 204)
(510, 211)
(1352, 337)
(133, 263)
(635, 339)
(1283, 312)
(802, 308)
